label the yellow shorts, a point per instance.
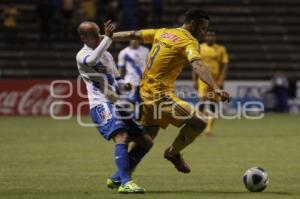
(205, 93)
(166, 110)
(202, 89)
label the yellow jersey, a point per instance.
(214, 57)
(172, 48)
(10, 17)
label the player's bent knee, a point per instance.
(152, 131)
(121, 137)
(197, 123)
(148, 142)
(145, 141)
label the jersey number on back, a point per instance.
(153, 55)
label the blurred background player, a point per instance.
(10, 13)
(280, 90)
(172, 48)
(132, 63)
(215, 57)
(97, 68)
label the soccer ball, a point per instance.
(256, 179)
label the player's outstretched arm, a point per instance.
(103, 46)
(127, 35)
(98, 52)
(203, 73)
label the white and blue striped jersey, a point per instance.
(99, 72)
(135, 62)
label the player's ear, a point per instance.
(82, 38)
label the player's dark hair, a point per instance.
(195, 14)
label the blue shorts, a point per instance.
(109, 121)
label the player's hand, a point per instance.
(127, 87)
(109, 28)
(225, 96)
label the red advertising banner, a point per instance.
(42, 97)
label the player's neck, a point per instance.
(134, 47)
(187, 28)
(90, 46)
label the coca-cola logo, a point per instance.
(34, 100)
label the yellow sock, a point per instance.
(210, 124)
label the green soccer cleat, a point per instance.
(113, 184)
(131, 187)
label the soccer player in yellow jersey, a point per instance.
(171, 49)
(216, 58)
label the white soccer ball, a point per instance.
(256, 179)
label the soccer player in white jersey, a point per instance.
(132, 63)
(97, 68)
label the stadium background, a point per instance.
(45, 158)
(262, 37)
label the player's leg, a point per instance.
(188, 133)
(212, 106)
(141, 146)
(143, 142)
(111, 127)
(139, 149)
(123, 164)
(210, 119)
(121, 140)
(204, 94)
(194, 123)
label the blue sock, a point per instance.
(122, 162)
(135, 156)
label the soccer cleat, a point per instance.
(177, 161)
(131, 187)
(113, 184)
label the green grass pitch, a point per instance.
(43, 158)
